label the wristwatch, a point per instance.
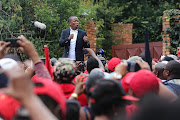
(117, 76)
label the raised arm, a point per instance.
(21, 88)
(91, 53)
(86, 41)
(28, 48)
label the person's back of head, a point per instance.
(156, 108)
(144, 82)
(65, 70)
(51, 95)
(112, 63)
(53, 61)
(167, 58)
(172, 69)
(51, 104)
(91, 64)
(13, 56)
(107, 97)
(159, 68)
(73, 109)
(134, 59)
(95, 75)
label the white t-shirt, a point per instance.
(72, 54)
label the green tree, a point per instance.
(133, 11)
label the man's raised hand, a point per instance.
(71, 37)
(85, 38)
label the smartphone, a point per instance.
(43, 60)
(133, 66)
(13, 42)
(3, 80)
(85, 51)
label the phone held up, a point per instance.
(13, 42)
(133, 66)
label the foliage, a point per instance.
(11, 18)
(54, 14)
(107, 11)
(137, 12)
(174, 32)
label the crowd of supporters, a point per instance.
(96, 89)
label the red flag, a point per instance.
(47, 60)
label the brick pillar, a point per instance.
(166, 38)
(122, 33)
(91, 33)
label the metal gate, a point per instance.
(125, 51)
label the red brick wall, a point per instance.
(122, 33)
(166, 38)
(91, 33)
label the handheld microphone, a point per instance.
(40, 25)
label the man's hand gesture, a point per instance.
(71, 37)
(85, 38)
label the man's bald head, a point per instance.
(160, 65)
(159, 68)
(71, 18)
(173, 67)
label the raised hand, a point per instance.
(79, 85)
(71, 37)
(4, 49)
(85, 38)
(28, 48)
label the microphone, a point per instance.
(39, 25)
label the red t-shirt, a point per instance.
(130, 110)
(69, 89)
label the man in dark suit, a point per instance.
(74, 40)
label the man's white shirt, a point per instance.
(72, 54)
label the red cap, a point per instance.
(143, 82)
(126, 81)
(51, 89)
(112, 63)
(130, 98)
(8, 106)
(179, 53)
(155, 60)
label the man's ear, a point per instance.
(166, 73)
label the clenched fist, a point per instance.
(71, 37)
